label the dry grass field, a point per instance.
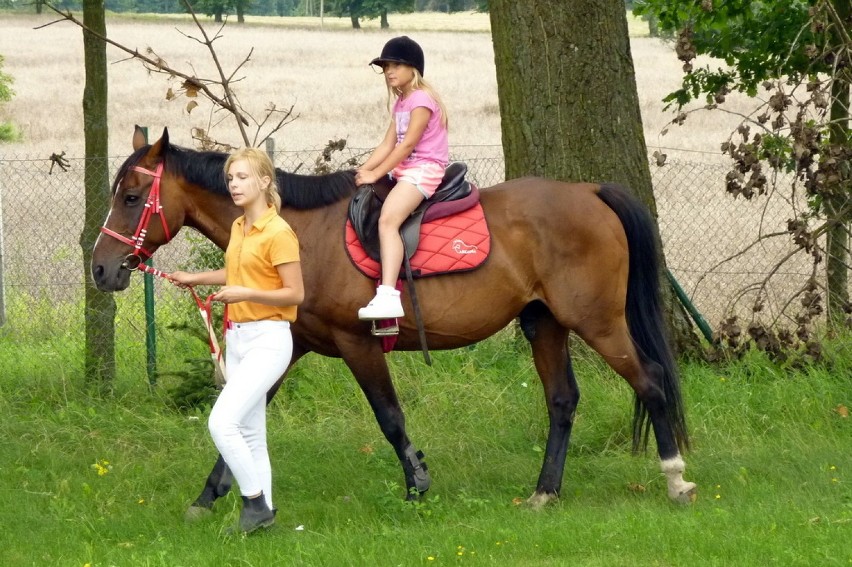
(321, 71)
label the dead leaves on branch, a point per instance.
(787, 149)
(207, 143)
(59, 161)
(794, 347)
(685, 49)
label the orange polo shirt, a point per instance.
(251, 260)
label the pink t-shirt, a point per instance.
(433, 146)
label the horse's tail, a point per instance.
(644, 311)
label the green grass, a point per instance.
(772, 455)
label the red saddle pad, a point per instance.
(457, 243)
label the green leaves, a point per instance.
(757, 40)
(6, 81)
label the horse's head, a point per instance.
(143, 215)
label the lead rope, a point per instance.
(205, 309)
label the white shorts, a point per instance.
(425, 176)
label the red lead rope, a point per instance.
(205, 308)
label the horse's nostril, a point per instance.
(98, 271)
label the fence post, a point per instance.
(270, 149)
(150, 327)
(2, 286)
(690, 307)
(150, 324)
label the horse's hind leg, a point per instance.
(646, 378)
(671, 461)
(553, 363)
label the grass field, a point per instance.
(93, 482)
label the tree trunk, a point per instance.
(569, 106)
(356, 25)
(653, 26)
(99, 355)
(837, 237)
(384, 20)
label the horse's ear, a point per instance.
(138, 137)
(161, 146)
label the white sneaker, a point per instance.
(385, 305)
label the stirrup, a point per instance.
(387, 327)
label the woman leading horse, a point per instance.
(564, 257)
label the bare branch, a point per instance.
(192, 85)
(224, 81)
(157, 65)
(286, 118)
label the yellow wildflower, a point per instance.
(102, 467)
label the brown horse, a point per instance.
(564, 257)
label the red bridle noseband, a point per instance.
(135, 261)
(152, 207)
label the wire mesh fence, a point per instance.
(717, 247)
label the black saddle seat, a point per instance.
(453, 195)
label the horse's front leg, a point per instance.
(220, 479)
(363, 355)
(217, 485)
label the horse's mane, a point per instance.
(312, 191)
(206, 169)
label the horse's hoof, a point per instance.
(195, 513)
(414, 493)
(421, 478)
(422, 483)
(686, 494)
(540, 499)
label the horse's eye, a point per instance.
(131, 199)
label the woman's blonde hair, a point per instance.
(418, 82)
(261, 166)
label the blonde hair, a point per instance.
(261, 166)
(419, 83)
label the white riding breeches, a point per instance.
(256, 355)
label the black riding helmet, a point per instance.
(401, 49)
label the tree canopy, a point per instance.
(757, 40)
(7, 129)
(6, 81)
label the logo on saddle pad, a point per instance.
(460, 247)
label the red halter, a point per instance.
(152, 207)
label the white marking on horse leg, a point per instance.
(679, 490)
